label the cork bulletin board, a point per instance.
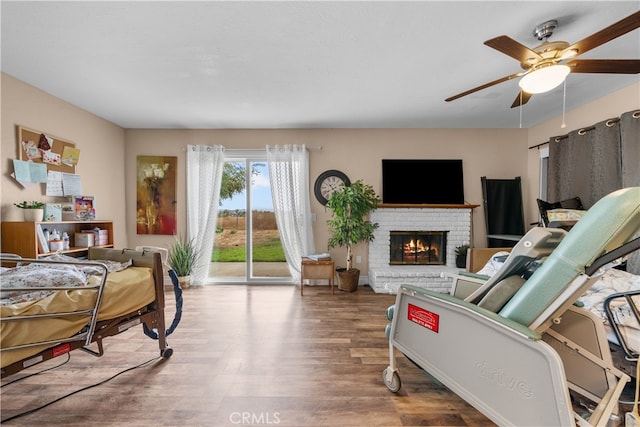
(57, 147)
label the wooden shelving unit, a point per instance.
(21, 238)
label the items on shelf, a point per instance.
(53, 212)
(84, 239)
(83, 206)
(94, 237)
(16, 236)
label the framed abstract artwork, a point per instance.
(156, 195)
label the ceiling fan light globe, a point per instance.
(544, 79)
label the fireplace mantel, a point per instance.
(424, 206)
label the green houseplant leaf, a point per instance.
(182, 256)
(30, 205)
(462, 250)
(349, 224)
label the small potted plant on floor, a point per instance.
(181, 259)
(33, 211)
(349, 224)
(461, 256)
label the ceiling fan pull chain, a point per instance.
(521, 108)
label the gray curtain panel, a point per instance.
(630, 146)
(586, 163)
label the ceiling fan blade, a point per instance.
(514, 49)
(522, 98)
(484, 86)
(608, 66)
(607, 34)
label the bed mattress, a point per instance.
(124, 292)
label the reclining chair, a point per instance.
(514, 349)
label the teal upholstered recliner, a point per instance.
(514, 348)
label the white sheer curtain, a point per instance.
(204, 175)
(289, 176)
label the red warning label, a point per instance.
(424, 317)
(60, 350)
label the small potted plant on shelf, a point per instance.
(461, 256)
(181, 259)
(349, 224)
(33, 211)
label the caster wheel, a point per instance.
(166, 353)
(392, 384)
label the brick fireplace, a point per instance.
(454, 222)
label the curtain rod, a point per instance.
(309, 148)
(581, 131)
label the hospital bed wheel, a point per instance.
(166, 353)
(394, 384)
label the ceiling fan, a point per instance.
(547, 65)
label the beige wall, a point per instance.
(101, 145)
(108, 155)
(356, 152)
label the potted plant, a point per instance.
(33, 211)
(182, 257)
(461, 256)
(349, 224)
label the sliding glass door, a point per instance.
(247, 245)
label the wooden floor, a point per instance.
(246, 355)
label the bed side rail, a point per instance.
(87, 332)
(630, 354)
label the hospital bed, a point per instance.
(516, 347)
(50, 306)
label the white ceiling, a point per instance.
(291, 64)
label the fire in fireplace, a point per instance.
(418, 248)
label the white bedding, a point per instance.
(613, 281)
(39, 275)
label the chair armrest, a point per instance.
(465, 283)
(479, 311)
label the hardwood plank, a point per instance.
(246, 355)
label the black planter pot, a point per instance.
(461, 261)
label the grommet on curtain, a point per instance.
(636, 115)
(557, 139)
(582, 132)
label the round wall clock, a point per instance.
(328, 182)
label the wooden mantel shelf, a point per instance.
(425, 206)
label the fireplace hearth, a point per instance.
(418, 248)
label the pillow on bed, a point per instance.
(37, 276)
(112, 266)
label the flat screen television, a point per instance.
(426, 181)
